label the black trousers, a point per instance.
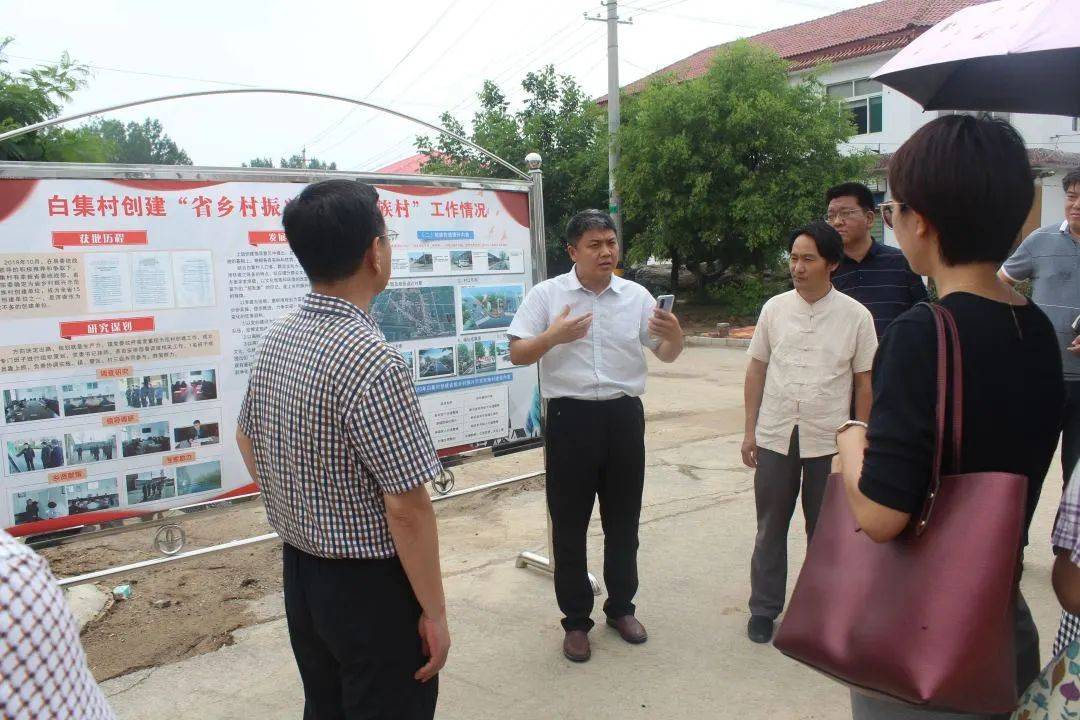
(595, 449)
(353, 625)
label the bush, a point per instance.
(743, 296)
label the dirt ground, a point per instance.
(192, 607)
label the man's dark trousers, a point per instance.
(776, 489)
(354, 631)
(595, 448)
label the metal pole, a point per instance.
(268, 537)
(527, 558)
(614, 204)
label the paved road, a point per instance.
(697, 532)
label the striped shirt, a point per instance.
(883, 282)
(43, 671)
(335, 423)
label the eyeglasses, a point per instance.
(887, 211)
(845, 214)
(391, 237)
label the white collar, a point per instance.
(616, 285)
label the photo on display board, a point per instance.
(415, 313)
(421, 262)
(436, 362)
(195, 431)
(145, 438)
(31, 403)
(90, 496)
(34, 452)
(197, 478)
(485, 355)
(34, 505)
(193, 386)
(64, 500)
(144, 391)
(87, 398)
(502, 355)
(461, 259)
(150, 485)
(498, 261)
(410, 361)
(89, 446)
(466, 361)
(489, 308)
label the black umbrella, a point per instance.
(1007, 56)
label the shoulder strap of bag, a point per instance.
(947, 338)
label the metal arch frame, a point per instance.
(264, 91)
(533, 182)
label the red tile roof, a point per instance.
(406, 166)
(858, 32)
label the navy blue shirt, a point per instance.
(883, 282)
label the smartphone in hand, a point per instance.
(665, 302)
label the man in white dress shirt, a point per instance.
(587, 329)
(811, 346)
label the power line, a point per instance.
(573, 51)
(545, 44)
(141, 72)
(385, 77)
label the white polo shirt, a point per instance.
(609, 361)
(812, 352)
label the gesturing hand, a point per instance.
(566, 329)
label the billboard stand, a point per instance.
(138, 442)
(527, 558)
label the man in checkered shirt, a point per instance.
(331, 430)
(43, 672)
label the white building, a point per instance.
(856, 43)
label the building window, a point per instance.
(981, 114)
(862, 98)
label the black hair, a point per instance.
(587, 220)
(857, 190)
(1071, 178)
(330, 226)
(971, 179)
(830, 245)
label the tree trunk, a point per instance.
(674, 270)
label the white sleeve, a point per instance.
(531, 317)
(648, 304)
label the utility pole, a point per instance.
(613, 22)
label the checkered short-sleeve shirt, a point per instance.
(335, 423)
(43, 672)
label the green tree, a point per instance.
(38, 94)
(296, 162)
(139, 143)
(719, 169)
(557, 120)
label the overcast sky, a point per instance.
(418, 56)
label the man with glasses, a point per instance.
(873, 273)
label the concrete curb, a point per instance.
(705, 341)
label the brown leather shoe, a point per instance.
(575, 646)
(630, 629)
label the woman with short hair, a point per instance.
(961, 189)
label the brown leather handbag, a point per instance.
(929, 617)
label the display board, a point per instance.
(131, 313)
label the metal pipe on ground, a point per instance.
(269, 537)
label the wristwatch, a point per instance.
(852, 423)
